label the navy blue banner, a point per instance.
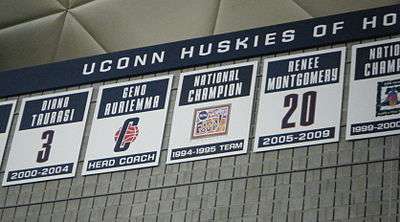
(207, 149)
(292, 36)
(377, 60)
(302, 72)
(217, 85)
(4, 116)
(39, 172)
(52, 111)
(120, 161)
(134, 98)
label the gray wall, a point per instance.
(345, 181)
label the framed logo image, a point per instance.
(211, 121)
(387, 97)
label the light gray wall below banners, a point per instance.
(345, 181)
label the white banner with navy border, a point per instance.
(6, 114)
(374, 103)
(48, 137)
(300, 100)
(128, 126)
(212, 113)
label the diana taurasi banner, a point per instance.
(300, 100)
(212, 113)
(6, 114)
(128, 126)
(286, 37)
(48, 137)
(374, 99)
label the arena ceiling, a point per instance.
(42, 31)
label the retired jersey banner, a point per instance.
(6, 113)
(128, 126)
(300, 100)
(48, 137)
(212, 113)
(374, 100)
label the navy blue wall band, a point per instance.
(309, 33)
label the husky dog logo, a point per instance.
(211, 121)
(388, 98)
(126, 135)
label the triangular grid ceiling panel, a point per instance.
(30, 43)
(13, 12)
(65, 3)
(75, 3)
(239, 15)
(75, 41)
(328, 7)
(126, 24)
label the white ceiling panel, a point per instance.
(30, 43)
(318, 8)
(238, 15)
(125, 24)
(17, 11)
(75, 41)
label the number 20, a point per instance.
(43, 155)
(307, 115)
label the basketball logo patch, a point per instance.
(126, 135)
(211, 121)
(130, 135)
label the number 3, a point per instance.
(43, 155)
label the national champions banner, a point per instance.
(48, 137)
(300, 100)
(374, 99)
(212, 113)
(128, 126)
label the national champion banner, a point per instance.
(128, 126)
(374, 103)
(48, 137)
(6, 114)
(300, 100)
(212, 113)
